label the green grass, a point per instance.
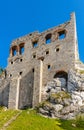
(6, 115)
(30, 120)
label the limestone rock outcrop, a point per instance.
(64, 98)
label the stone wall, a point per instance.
(4, 91)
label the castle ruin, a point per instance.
(35, 59)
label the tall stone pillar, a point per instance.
(14, 93)
(37, 83)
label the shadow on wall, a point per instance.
(26, 90)
(4, 95)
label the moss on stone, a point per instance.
(45, 103)
(61, 95)
(81, 71)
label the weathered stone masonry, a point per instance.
(34, 60)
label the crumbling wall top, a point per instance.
(37, 34)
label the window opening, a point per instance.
(20, 60)
(33, 70)
(49, 67)
(22, 50)
(10, 75)
(34, 56)
(20, 73)
(62, 35)
(11, 62)
(57, 49)
(47, 52)
(35, 44)
(48, 39)
(14, 52)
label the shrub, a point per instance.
(79, 121)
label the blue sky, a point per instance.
(20, 17)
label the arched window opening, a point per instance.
(61, 74)
(48, 39)
(14, 51)
(22, 48)
(62, 34)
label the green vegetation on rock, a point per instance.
(61, 95)
(45, 103)
(81, 71)
(1, 70)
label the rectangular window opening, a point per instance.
(47, 52)
(35, 44)
(33, 70)
(34, 56)
(49, 67)
(20, 73)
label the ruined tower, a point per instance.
(36, 59)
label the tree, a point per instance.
(1, 70)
